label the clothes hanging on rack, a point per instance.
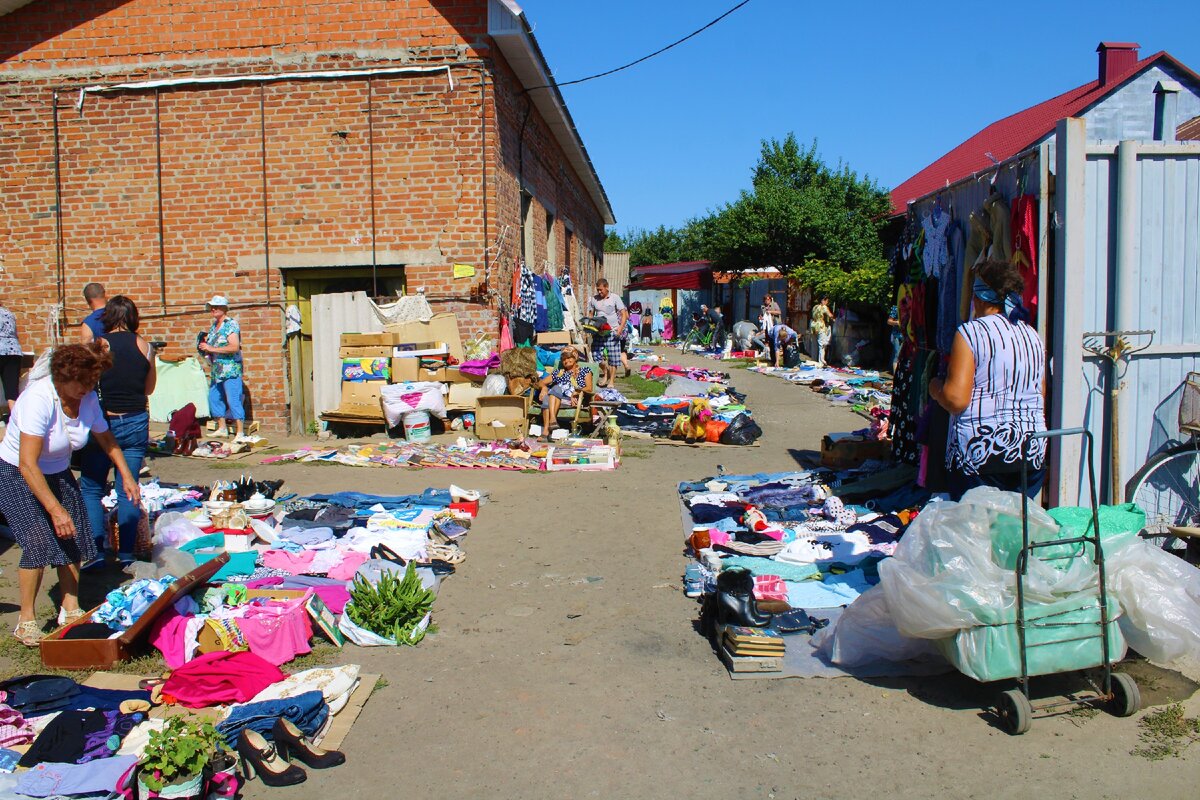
(1001, 225)
(541, 323)
(527, 303)
(1025, 250)
(935, 254)
(554, 305)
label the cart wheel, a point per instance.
(1016, 713)
(1127, 700)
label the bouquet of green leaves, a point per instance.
(180, 751)
(392, 608)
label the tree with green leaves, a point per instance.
(803, 215)
(613, 243)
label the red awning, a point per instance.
(685, 280)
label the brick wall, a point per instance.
(445, 171)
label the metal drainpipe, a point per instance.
(262, 132)
(59, 249)
(162, 257)
(483, 179)
(371, 169)
(1125, 289)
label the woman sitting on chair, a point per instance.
(559, 387)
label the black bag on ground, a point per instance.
(742, 431)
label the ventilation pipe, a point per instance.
(1166, 104)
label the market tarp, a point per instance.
(686, 275)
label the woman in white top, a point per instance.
(994, 390)
(38, 493)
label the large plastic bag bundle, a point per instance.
(942, 575)
(1160, 596)
(956, 566)
(401, 398)
(866, 633)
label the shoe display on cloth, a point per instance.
(28, 633)
(259, 757)
(291, 743)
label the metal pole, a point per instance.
(262, 132)
(59, 250)
(371, 168)
(162, 257)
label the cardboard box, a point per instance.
(844, 453)
(455, 375)
(441, 328)
(323, 621)
(61, 653)
(416, 349)
(554, 337)
(365, 351)
(406, 369)
(463, 395)
(511, 411)
(380, 339)
(362, 393)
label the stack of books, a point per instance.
(753, 641)
(752, 649)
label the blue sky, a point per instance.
(886, 87)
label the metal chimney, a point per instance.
(1116, 58)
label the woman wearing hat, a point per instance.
(223, 345)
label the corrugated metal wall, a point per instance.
(1168, 286)
(1164, 279)
(333, 315)
(616, 270)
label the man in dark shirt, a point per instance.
(92, 328)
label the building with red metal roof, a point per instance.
(1116, 106)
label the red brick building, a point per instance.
(272, 149)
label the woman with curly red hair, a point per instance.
(38, 494)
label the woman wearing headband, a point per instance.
(994, 389)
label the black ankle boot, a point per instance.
(735, 600)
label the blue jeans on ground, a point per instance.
(225, 399)
(132, 432)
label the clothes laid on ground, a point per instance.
(825, 552)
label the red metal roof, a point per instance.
(672, 269)
(1009, 136)
(1189, 130)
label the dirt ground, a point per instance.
(566, 662)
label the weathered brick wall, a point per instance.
(442, 174)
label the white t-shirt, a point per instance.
(39, 412)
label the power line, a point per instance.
(694, 33)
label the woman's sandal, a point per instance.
(28, 633)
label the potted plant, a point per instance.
(175, 759)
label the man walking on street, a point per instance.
(606, 344)
(92, 328)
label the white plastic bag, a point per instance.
(494, 385)
(865, 634)
(1160, 597)
(401, 398)
(365, 638)
(173, 529)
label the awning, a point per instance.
(683, 280)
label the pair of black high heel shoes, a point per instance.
(382, 552)
(272, 762)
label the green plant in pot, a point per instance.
(173, 763)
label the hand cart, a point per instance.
(1116, 690)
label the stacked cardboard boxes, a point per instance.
(411, 351)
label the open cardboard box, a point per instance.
(61, 653)
(511, 411)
